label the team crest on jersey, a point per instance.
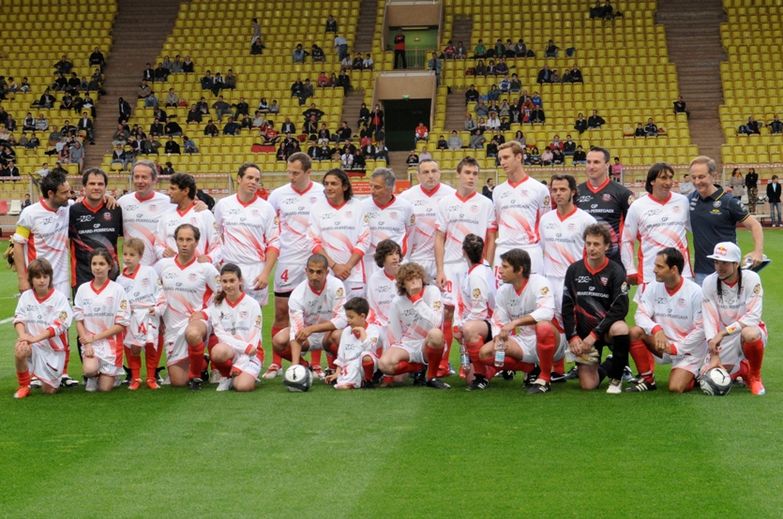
(192, 276)
(277, 220)
(606, 197)
(604, 280)
(630, 199)
(757, 289)
(62, 317)
(476, 293)
(109, 301)
(107, 216)
(366, 218)
(716, 204)
(547, 201)
(681, 302)
(340, 292)
(544, 291)
(243, 314)
(624, 288)
(393, 215)
(312, 201)
(258, 321)
(436, 305)
(413, 219)
(123, 304)
(474, 208)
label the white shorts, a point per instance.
(249, 275)
(455, 273)
(64, 287)
(690, 363)
(352, 372)
(47, 365)
(557, 293)
(316, 341)
(250, 364)
(175, 345)
(143, 329)
(731, 348)
(415, 353)
(536, 254)
(288, 276)
(528, 344)
(109, 354)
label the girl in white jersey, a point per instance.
(102, 313)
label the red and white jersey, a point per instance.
(237, 324)
(734, 309)
(307, 307)
(101, 308)
(535, 299)
(656, 224)
(51, 312)
(351, 347)
(185, 289)
(562, 240)
(421, 245)
(142, 287)
(381, 291)
(140, 217)
(293, 215)
(457, 217)
(476, 298)
(204, 221)
(341, 231)
(43, 232)
(393, 221)
(678, 313)
(518, 210)
(411, 320)
(248, 231)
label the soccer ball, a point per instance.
(715, 382)
(298, 378)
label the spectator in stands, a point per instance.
(481, 109)
(32, 142)
(10, 170)
(26, 202)
(537, 115)
(443, 144)
(493, 122)
(413, 159)
(331, 24)
(149, 73)
(399, 51)
(307, 91)
(356, 63)
(480, 50)
(501, 67)
(218, 83)
(151, 101)
(76, 153)
(96, 58)
(436, 65)
(46, 100)
(172, 99)
(750, 127)
(573, 76)
(255, 33)
(161, 73)
(288, 126)
(172, 128)
(207, 80)
(580, 157)
(773, 197)
(471, 94)
(241, 108)
(470, 124)
(460, 51)
(125, 110)
(118, 156)
(650, 129)
(595, 120)
(41, 123)
(317, 53)
(533, 156)
(86, 127)
(558, 158)
(551, 49)
(189, 145)
(477, 140)
(161, 114)
(775, 125)
(28, 123)
(421, 132)
(232, 127)
(221, 108)
(686, 186)
(449, 51)
(343, 132)
(424, 155)
(616, 170)
(544, 75)
(144, 90)
(341, 45)
(455, 141)
(211, 129)
(299, 54)
(194, 115)
(230, 81)
(64, 66)
(547, 157)
(187, 65)
(639, 131)
(274, 107)
(752, 185)
(172, 147)
(167, 170)
(737, 183)
(680, 107)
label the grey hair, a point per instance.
(712, 168)
(148, 163)
(389, 178)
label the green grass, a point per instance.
(403, 452)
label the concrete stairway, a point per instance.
(139, 31)
(365, 26)
(397, 163)
(461, 30)
(693, 38)
(351, 105)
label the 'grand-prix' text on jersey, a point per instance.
(457, 217)
(292, 208)
(248, 230)
(678, 313)
(607, 203)
(421, 246)
(140, 217)
(92, 228)
(518, 211)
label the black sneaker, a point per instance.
(67, 381)
(507, 374)
(377, 377)
(437, 384)
(420, 377)
(572, 373)
(480, 383)
(535, 388)
(532, 376)
(195, 384)
(557, 378)
(641, 386)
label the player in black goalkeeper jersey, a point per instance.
(595, 303)
(606, 200)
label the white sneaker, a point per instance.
(91, 386)
(117, 381)
(225, 384)
(273, 372)
(166, 381)
(615, 387)
(215, 377)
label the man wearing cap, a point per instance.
(736, 335)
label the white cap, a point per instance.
(726, 251)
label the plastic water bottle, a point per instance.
(500, 353)
(464, 358)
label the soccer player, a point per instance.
(668, 325)
(360, 345)
(736, 335)
(236, 323)
(520, 202)
(292, 203)
(182, 193)
(187, 286)
(248, 228)
(388, 216)
(605, 200)
(522, 324)
(414, 336)
(102, 313)
(464, 212)
(595, 303)
(382, 286)
(425, 197)
(316, 315)
(41, 320)
(142, 288)
(658, 220)
(340, 232)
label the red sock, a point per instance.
(433, 356)
(286, 354)
(196, 357)
(368, 366)
(558, 366)
(276, 358)
(331, 354)
(152, 356)
(134, 363)
(743, 371)
(545, 347)
(448, 337)
(643, 360)
(754, 352)
(407, 367)
(315, 358)
(512, 364)
(473, 353)
(24, 378)
(690, 385)
(224, 367)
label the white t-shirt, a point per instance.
(43, 232)
(734, 309)
(562, 240)
(410, 321)
(204, 221)
(52, 312)
(140, 218)
(248, 231)
(677, 313)
(518, 210)
(381, 291)
(393, 221)
(457, 217)
(100, 309)
(341, 231)
(186, 289)
(237, 325)
(535, 299)
(476, 298)
(293, 216)
(421, 245)
(307, 307)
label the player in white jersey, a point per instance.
(669, 326)
(249, 232)
(236, 323)
(382, 286)
(102, 313)
(292, 203)
(475, 304)
(425, 197)
(388, 216)
(142, 287)
(658, 220)
(414, 336)
(316, 315)
(41, 321)
(187, 287)
(459, 214)
(360, 346)
(340, 232)
(182, 192)
(736, 335)
(524, 334)
(142, 209)
(519, 202)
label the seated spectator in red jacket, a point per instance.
(422, 132)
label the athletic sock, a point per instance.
(448, 337)
(407, 367)
(368, 366)
(24, 378)
(754, 352)
(224, 367)
(152, 357)
(620, 346)
(479, 368)
(558, 366)
(196, 357)
(433, 359)
(315, 358)
(67, 358)
(134, 362)
(545, 347)
(643, 360)
(276, 358)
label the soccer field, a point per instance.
(401, 452)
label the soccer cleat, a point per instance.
(22, 392)
(641, 386)
(377, 377)
(118, 382)
(507, 374)
(615, 387)
(215, 377)
(628, 376)
(195, 384)
(273, 372)
(539, 387)
(756, 387)
(480, 383)
(134, 384)
(318, 372)
(557, 378)
(91, 386)
(36, 382)
(437, 384)
(165, 382)
(420, 377)
(225, 384)
(531, 376)
(152, 384)
(572, 373)
(67, 381)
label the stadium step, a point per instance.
(365, 26)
